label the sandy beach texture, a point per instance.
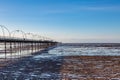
(63, 68)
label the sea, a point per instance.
(85, 49)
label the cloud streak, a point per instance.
(58, 9)
(100, 8)
(74, 9)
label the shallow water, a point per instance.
(85, 51)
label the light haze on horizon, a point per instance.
(64, 20)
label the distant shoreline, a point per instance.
(93, 44)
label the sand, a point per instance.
(92, 67)
(64, 68)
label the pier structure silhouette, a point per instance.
(14, 46)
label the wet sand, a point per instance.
(32, 69)
(64, 68)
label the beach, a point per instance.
(64, 68)
(66, 62)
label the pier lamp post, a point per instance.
(3, 32)
(15, 31)
(41, 38)
(46, 39)
(20, 44)
(39, 44)
(31, 35)
(36, 36)
(33, 44)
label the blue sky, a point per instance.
(64, 20)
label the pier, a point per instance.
(14, 47)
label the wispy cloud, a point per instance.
(99, 8)
(74, 9)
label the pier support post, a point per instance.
(39, 46)
(31, 47)
(20, 49)
(35, 47)
(15, 49)
(11, 50)
(5, 50)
